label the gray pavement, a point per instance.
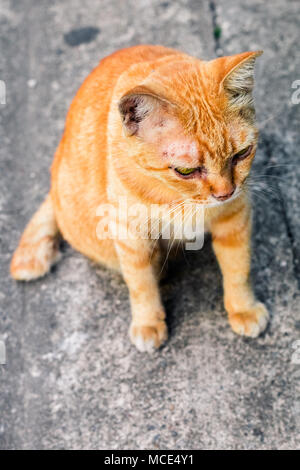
(72, 379)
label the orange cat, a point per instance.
(152, 125)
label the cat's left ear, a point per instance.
(139, 105)
(239, 72)
(235, 75)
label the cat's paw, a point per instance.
(147, 338)
(251, 322)
(31, 261)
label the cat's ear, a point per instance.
(235, 75)
(239, 72)
(137, 105)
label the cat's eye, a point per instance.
(185, 171)
(242, 155)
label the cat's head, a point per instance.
(192, 124)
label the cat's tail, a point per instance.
(38, 248)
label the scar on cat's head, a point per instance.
(138, 104)
(131, 111)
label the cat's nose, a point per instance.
(223, 196)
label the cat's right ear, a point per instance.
(137, 106)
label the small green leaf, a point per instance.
(217, 32)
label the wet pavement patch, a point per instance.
(75, 37)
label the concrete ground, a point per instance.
(72, 379)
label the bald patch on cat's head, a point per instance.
(141, 104)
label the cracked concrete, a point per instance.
(216, 29)
(72, 379)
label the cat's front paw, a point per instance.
(251, 322)
(147, 338)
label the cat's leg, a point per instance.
(38, 248)
(148, 329)
(231, 241)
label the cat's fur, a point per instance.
(141, 113)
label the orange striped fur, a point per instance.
(141, 115)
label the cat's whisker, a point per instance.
(164, 227)
(149, 218)
(189, 205)
(278, 165)
(266, 187)
(259, 196)
(263, 184)
(169, 213)
(262, 124)
(266, 192)
(255, 177)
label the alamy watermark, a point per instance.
(295, 359)
(2, 92)
(296, 94)
(296, 354)
(124, 221)
(2, 353)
